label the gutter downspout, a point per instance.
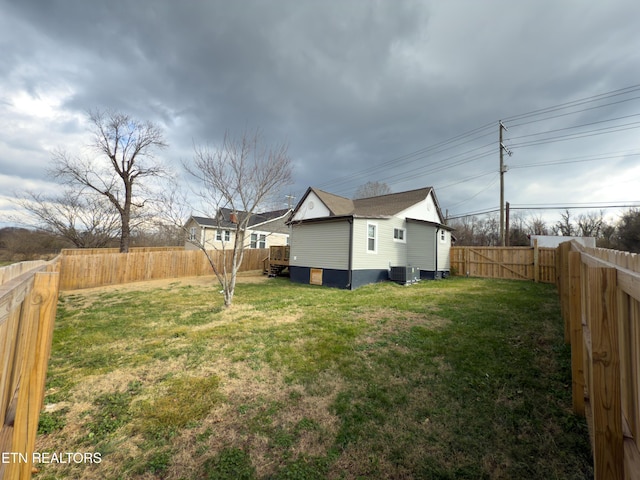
(350, 266)
(435, 274)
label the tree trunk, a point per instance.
(125, 237)
(125, 215)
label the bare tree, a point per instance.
(475, 231)
(87, 220)
(518, 231)
(565, 227)
(20, 244)
(126, 147)
(241, 175)
(537, 226)
(628, 231)
(591, 224)
(372, 189)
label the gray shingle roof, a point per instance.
(225, 221)
(390, 204)
(380, 206)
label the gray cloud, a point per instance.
(353, 86)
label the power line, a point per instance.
(571, 128)
(495, 180)
(573, 136)
(548, 207)
(414, 156)
(573, 103)
(462, 158)
(604, 156)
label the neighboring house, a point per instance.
(347, 243)
(264, 230)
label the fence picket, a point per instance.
(604, 296)
(521, 263)
(27, 312)
(94, 270)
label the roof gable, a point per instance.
(389, 205)
(335, 203)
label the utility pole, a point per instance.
(506, 228)
(503, 169)
(289, 200)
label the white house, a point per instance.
(552, 241)
(339, 242)
(264, 230)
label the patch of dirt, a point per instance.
(388, 321)
(199, 281)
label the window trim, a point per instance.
(258, 240)
(400, 238)
(374, 238)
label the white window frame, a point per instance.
(192, 234)
(443, 236)
(374, 237)
(258, 240)
(400, 235)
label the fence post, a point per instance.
(562, 253)
(605, 370)
(575, 323)
(536, 261)
(39, 314)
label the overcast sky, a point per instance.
(361, 90)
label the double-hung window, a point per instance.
(220, 234)
(399, 234)
(258, 241)
(372, 237)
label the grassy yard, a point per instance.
(459, 378)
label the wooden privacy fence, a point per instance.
(16, 269)
(600, 299)
(95, 270)
(514, 263)
(99, 251)
(27, 312)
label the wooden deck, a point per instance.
(277, 261)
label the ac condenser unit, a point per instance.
(404, 275)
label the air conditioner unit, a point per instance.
(404, 275)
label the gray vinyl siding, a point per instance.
(444, 251)
(320, 245)
(421, 246)
(388, 252)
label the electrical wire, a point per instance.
(573, 103)
(461, 158)
(413, 157)
(571, 128)
(604, 156)
(573, 136)
(495, 180)
(632, 204)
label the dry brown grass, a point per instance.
(296, 381)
